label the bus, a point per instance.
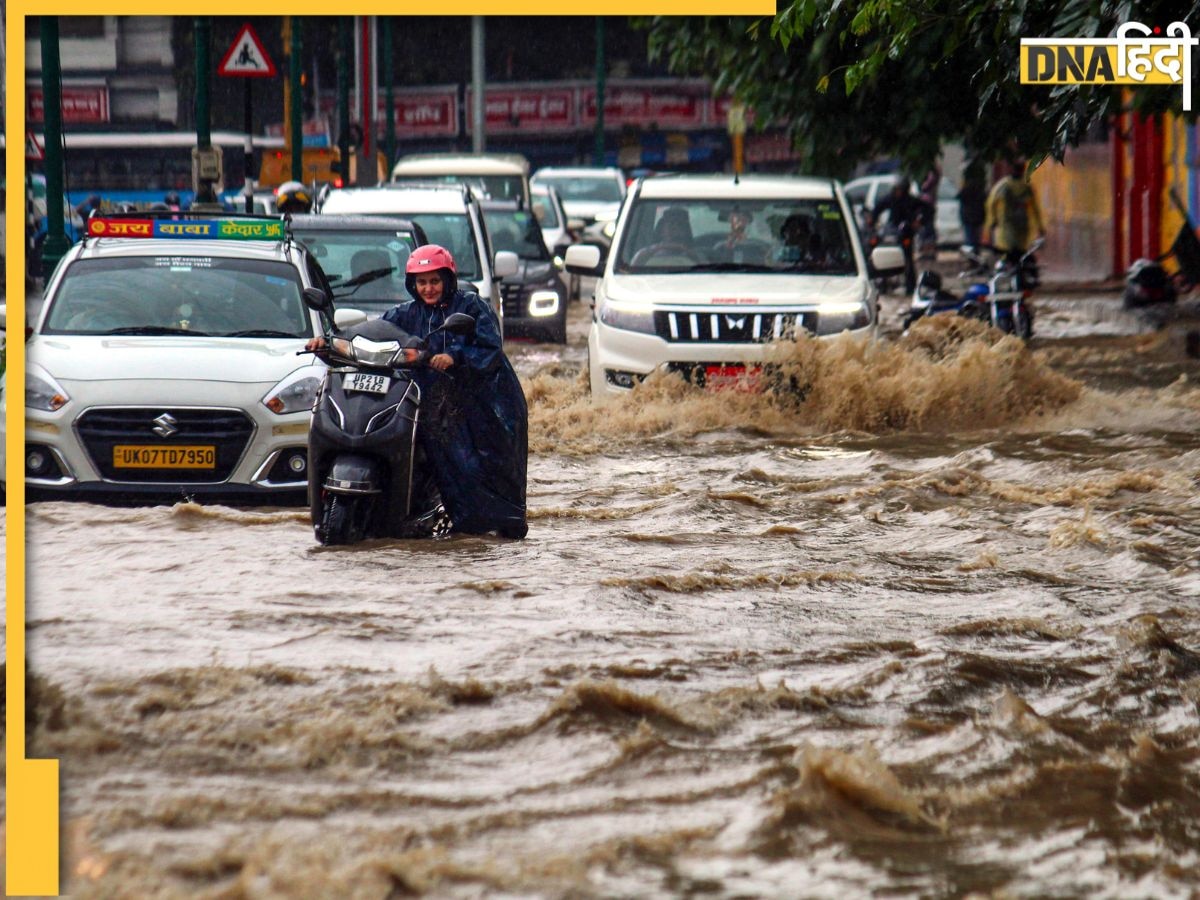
(143, 167)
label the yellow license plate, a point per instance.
(142, 456)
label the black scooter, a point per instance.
(367, 476)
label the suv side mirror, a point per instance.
(887, 260)
(583, 259)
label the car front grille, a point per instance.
(709, 327)
(227, 430)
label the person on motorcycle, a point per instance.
(905, 215)
(293, 197)
(474, 419)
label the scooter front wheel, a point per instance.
(342, 520)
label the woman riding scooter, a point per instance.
(473, 411)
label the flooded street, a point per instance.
(929, 626)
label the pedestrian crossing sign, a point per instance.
(246, 57)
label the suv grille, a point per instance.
(731, 327)
(228, 430)
(512, 296)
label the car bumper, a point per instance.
(619, 358)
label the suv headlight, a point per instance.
(627, 318)
(295, 393)
(42, 391)
(543, 303)
(833, 318)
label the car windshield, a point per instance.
(496, 187)
(453, 231)
(187, 295)
(588, 188)
(349, 258)
(518, 231)
(546, 214)
(772, 236)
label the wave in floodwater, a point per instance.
(947, 374)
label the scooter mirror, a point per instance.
(459, 323)
(317, 299)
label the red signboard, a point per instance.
(644, 105)
(540, 109)
(80, 103)
(429, 114)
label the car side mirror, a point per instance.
(887, 260)
(316, 299)
(347, 318)
(583, 259)
(3, 316)
(506, 264)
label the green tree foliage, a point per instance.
(852, 81)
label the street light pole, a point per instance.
(56, 245)
(598, 154)
(478, 140)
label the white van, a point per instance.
(450, 216)
(706, 269)
(496, 176)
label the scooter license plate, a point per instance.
(370, 384)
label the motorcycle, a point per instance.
(368, 477)
(1001, 301)
(1147, 282)
(888, 233)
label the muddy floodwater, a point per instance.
(927, 623)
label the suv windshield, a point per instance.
(452, 231)
(190, 295)
(778, 235)
(346, 255)
(518, 231)
(588, 188)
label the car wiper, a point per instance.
(732, 267)
(261, 332)
(156, 329)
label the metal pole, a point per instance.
(203, 30)
(56, 245)
(598, 152)
(343, 91)
(295, 112)
(248, 168)
(389, 77)
(478, 139)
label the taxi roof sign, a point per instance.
(184, 228)
(246, 57)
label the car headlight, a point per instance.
(297, 392)
(833, 318)
(627, 318)
(609, 229)
(543, 303)
(42, 391)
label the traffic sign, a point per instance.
(247, 58)
(33, 150)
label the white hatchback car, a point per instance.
(167, 367)
(706, 270)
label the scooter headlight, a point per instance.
(374, 353)
(297, 392)
(42, 391)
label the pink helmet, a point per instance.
(430, 258)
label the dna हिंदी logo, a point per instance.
(1138, 55)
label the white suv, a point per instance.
(450, 216)
(705, 270)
